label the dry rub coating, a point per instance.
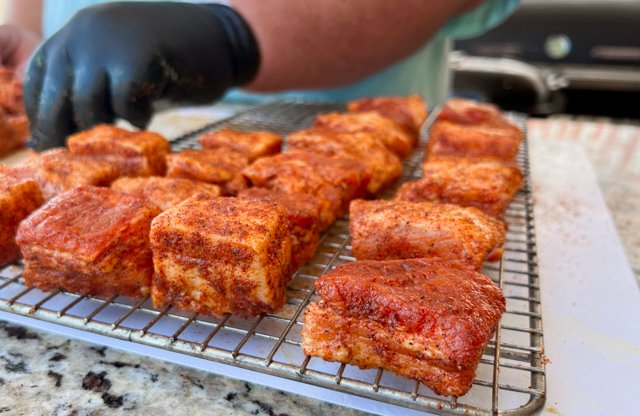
(219, 255)
(164, 192)
(392, 135)
(303, 214)
(253, 144)
(409, 112)
(383, 166)
(217, 166)
(334, 181)
(483, 141)
(425, 319)
(134, 153)
(58, 171)
(385, 230)
(463, 111)
(19, 197)
(489, 186)
(89, 240)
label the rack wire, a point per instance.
(511, 376)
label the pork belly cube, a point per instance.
(90, 240)
(11, 137)
(134, 153)
(409, 112)
(334, 181)
(19, 197)
(10, 92)
(58, 171)
(464, 111)
(489, 186)
(385, 230)
(164, 192)
(303, 214)
(217, 166)
(252, 144)
(497, 142)
(383, 165)
(221, 255)
(425, 319)
(392, 135)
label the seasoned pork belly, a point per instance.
(463, 111)
(58, 171)
(425, 319)
(383, 166)
(219, 255)
(217, 166)
(334, 181)
(19, 197)
(392, 135)
(134, 153)
(164, 192)
(90, 240)
(384, 230)
(252, 144)
(303, 214)
(409, 112)
(489, 186)
(498, 142)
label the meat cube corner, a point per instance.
(221, 255)
(90, 240)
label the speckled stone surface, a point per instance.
(46, 374)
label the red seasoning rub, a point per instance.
(383, 166)
(164, 192)
(252, 144)
(489, 186)
(92, 241)
(409, 112)
(385, 230)
(425, 319)
(134, 153)
(19, 197)
(463, 111)
(58, 171)
(334, 181)
(219, 255)
(303, 214)
(217, 166)
(392, 135)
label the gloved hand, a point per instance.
(114, 60)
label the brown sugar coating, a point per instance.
(219, 255)
(383, 166)
(392, 135)
(134, 153)
(89, 240)
(217, 166)
(19, 197)
(409, 112)
(303, 214)
(489, 186)
(252, 144)
(164, 192)
(384, 230)
(334, 181)
(426, 319)
(498, 142)
(58, 171)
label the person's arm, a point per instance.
(26, 14)
(21, 34)
(329, 43)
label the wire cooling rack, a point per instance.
(511, 376)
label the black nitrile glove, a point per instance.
(114, 60)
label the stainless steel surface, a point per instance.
(512, 369)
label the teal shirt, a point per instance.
(425, 72)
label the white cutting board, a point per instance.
(590, 298)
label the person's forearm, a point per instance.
(26, 14)
(329, 43)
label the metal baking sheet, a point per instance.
(266, 349)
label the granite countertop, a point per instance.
(47, 374)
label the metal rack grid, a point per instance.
(510, 378)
